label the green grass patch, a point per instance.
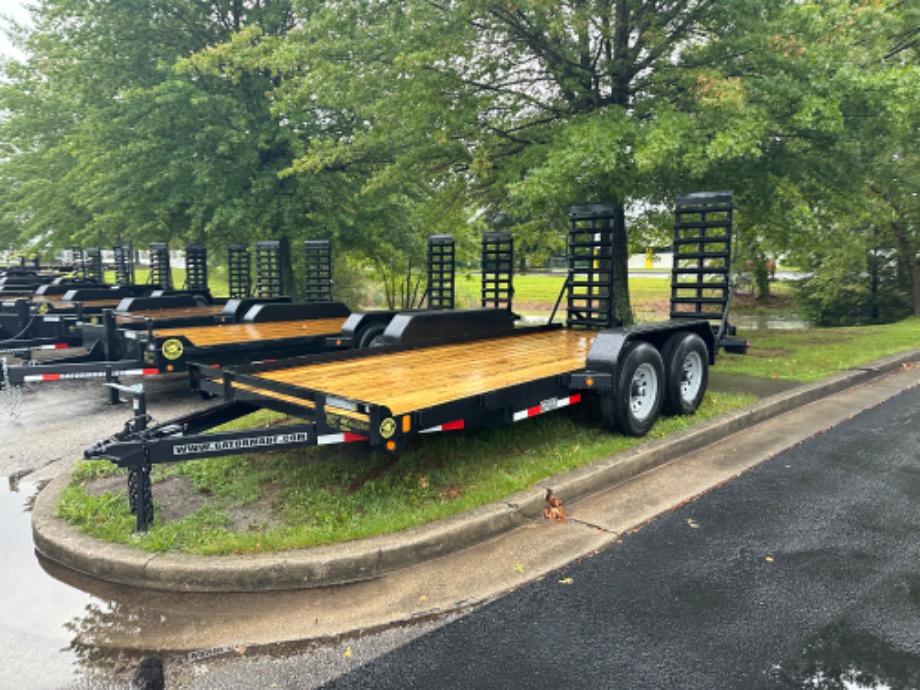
(544, 289)
(324, 495)
(816, 353)
(218, 282)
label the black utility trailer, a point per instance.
(481, 371)
(52, 317)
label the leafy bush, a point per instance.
(854, 289)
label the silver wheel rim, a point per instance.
(691, 376)
(643, 390)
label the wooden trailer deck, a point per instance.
(168, 313)
(223, 334)
(416, 379)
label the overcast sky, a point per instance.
(15, 9)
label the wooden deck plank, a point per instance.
(415, 379)
(221, 334)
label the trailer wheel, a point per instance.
(686, 366)
(372, 336)
(636, 399)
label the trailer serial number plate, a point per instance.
(342, 403)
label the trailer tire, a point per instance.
(372, 336)
(636, 399)
(686, 367)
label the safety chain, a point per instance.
(12, 394)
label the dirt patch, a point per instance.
(177, 497)
(251, 518)
(113, 485)
(258, 515)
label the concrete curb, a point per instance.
(377, 556)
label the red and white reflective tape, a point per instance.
(88, 375)
(450, 426)
(547, 406)
(347, 437)
(56, 346)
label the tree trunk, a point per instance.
(622, 309)
(286, 261)
(909, 256)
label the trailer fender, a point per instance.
(296, 311)
(237, 307)
(644, 365)
(82, 294)
(431, 326)
(361, 329)
(129, 304)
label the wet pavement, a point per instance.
(35, 608)
(71, 631)
(800, 573)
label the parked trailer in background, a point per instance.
(446, 371)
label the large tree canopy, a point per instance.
(378, 122)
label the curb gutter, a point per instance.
(375, 557)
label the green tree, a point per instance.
(126, 123)
(81, 58)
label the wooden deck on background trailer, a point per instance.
(416, 379)
(223, 334)
(168, 313)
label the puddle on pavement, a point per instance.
(32, 614)
(845, 657)
(764, 322)
(61, 629)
